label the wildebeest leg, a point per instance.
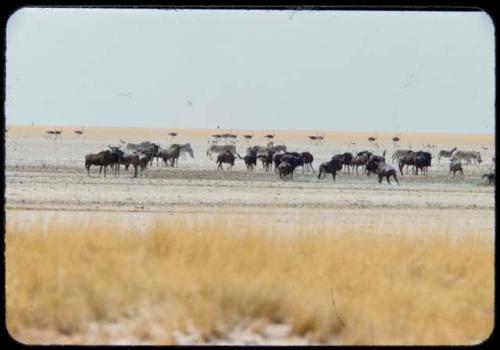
(100, 169)
(380, 179)
(395, 178)
(88, 170)
(387, 177)
(135, 170)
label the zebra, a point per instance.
(219, 149)
(445, 154)
(468, 156)
(400, 153)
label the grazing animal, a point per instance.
(250, 159)
(360, 159)
(130, 159)
(286, 169)
(454, 167)
(331, 167)
(445, 154)
(225, 157)
(150, 149)
(267, 160)
(186, 148)
(347, 161)
(219, 149)
(422, 162)
(406, 160)
(400, 153)
(171, 154)
(382, 170)
(467, 156)
(490, 177)
(104, 159)
(307, 159)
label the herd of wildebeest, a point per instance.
(276, 158)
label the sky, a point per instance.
(359, 71)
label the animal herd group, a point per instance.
(284, 163)
(138, 155)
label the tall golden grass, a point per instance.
(392, 288)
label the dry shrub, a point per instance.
(388, 289)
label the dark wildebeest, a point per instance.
(267, 160)
(407, 160)
(171, 154)
(331, 167)
(104, 159)
(148, 148)
(130, 159)
(422, 162)
(360, 159)
(285, 169)
(400, 153)
(454, 167)
(381, 169)
(347, 161)
(490, 177)
(225, 157)
(307, 159)
(250, 160)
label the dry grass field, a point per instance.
(191, 255)
(204, 279)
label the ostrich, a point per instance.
(248, 137)
(270, 136)
(395, 141)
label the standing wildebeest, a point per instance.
(250, 159)
(445, 154)
(307, 159)
(148, 148)
(360, 160)
(490, 177)
(400, 153)
(347, 161)
(407, 160)
(219, 149)
(286, 169)
(382, 170)
(331, 167)
(454, 167)
(171, 154)
(225, 157)
(267, 160)
(128, 159)
(468, 156)
(104, 159)
(422, 161)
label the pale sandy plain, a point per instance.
(47, 179)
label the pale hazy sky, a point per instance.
(252, 69)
